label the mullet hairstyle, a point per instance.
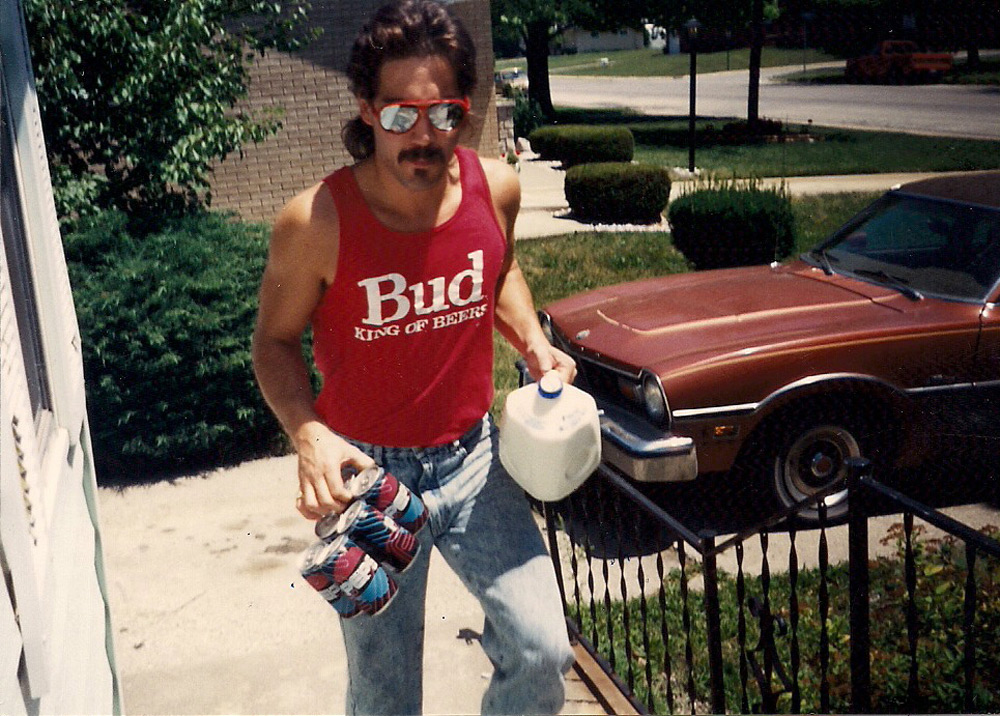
(400, 31)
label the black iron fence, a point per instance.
(777, 619)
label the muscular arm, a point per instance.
(301, 262)
(516, 318)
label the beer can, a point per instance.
(384, 492)
(377, 533)
(356, 574)
(316, 568)
(360, 577)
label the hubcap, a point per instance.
(814, 460)
(822, 466)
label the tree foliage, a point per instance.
(537, 23)
(138, 97)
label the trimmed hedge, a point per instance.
(574, 144)
(166, 323)
(618, 193)
(721, 228)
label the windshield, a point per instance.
(919, 246)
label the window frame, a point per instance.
(21, 268)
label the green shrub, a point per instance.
(528, 115)
(743, 132)
(574, 144)
(166, 325)
(617, 192)
(720, 228)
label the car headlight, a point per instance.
(653, 398)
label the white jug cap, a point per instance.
(550, 386)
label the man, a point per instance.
(403, 264)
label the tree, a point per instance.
(714, 15)
(756, 49)
(719, 17)
(538, 23)
(138, 97)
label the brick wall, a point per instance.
(311, 89)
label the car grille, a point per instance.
(606, 382)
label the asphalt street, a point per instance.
(945, 110)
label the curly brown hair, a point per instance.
(399, 31)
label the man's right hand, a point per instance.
(322, 457)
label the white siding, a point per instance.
(56, 654)
(586, 41)
(11, 701)
(18, 460)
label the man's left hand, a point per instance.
(542, 358)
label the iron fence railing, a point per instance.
(977, 637)
(697, 622)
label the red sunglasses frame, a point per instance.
(422, 107)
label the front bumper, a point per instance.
(635, 449)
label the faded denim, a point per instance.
(481, 522)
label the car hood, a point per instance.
(670, 322)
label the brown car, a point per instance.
(888, 329)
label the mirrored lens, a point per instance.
(445, 116)
(397, 118)
(400, 118)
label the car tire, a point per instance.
(812, 456)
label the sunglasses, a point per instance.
(444, 114)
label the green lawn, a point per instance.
(834, 152)
(648, 62)
(664, 141)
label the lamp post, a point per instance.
(807, 17)
(692, 26)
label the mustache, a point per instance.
(421, 154)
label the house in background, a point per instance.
(56, 653)
(576, 40)
(311, 89)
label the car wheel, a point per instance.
(814, 455)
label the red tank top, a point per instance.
(404, 336)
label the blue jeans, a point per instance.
(481, 522)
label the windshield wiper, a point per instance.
(823, 259)
(894, 282)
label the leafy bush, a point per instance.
(528, 115)
(574, 144)
(734, 226)
(617, 192)
(166, 323)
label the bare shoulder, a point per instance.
(306, 231)
(310, 212)
(505, 188)
(501, 177)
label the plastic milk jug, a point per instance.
(550, 437)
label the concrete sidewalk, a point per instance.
(211, 616)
